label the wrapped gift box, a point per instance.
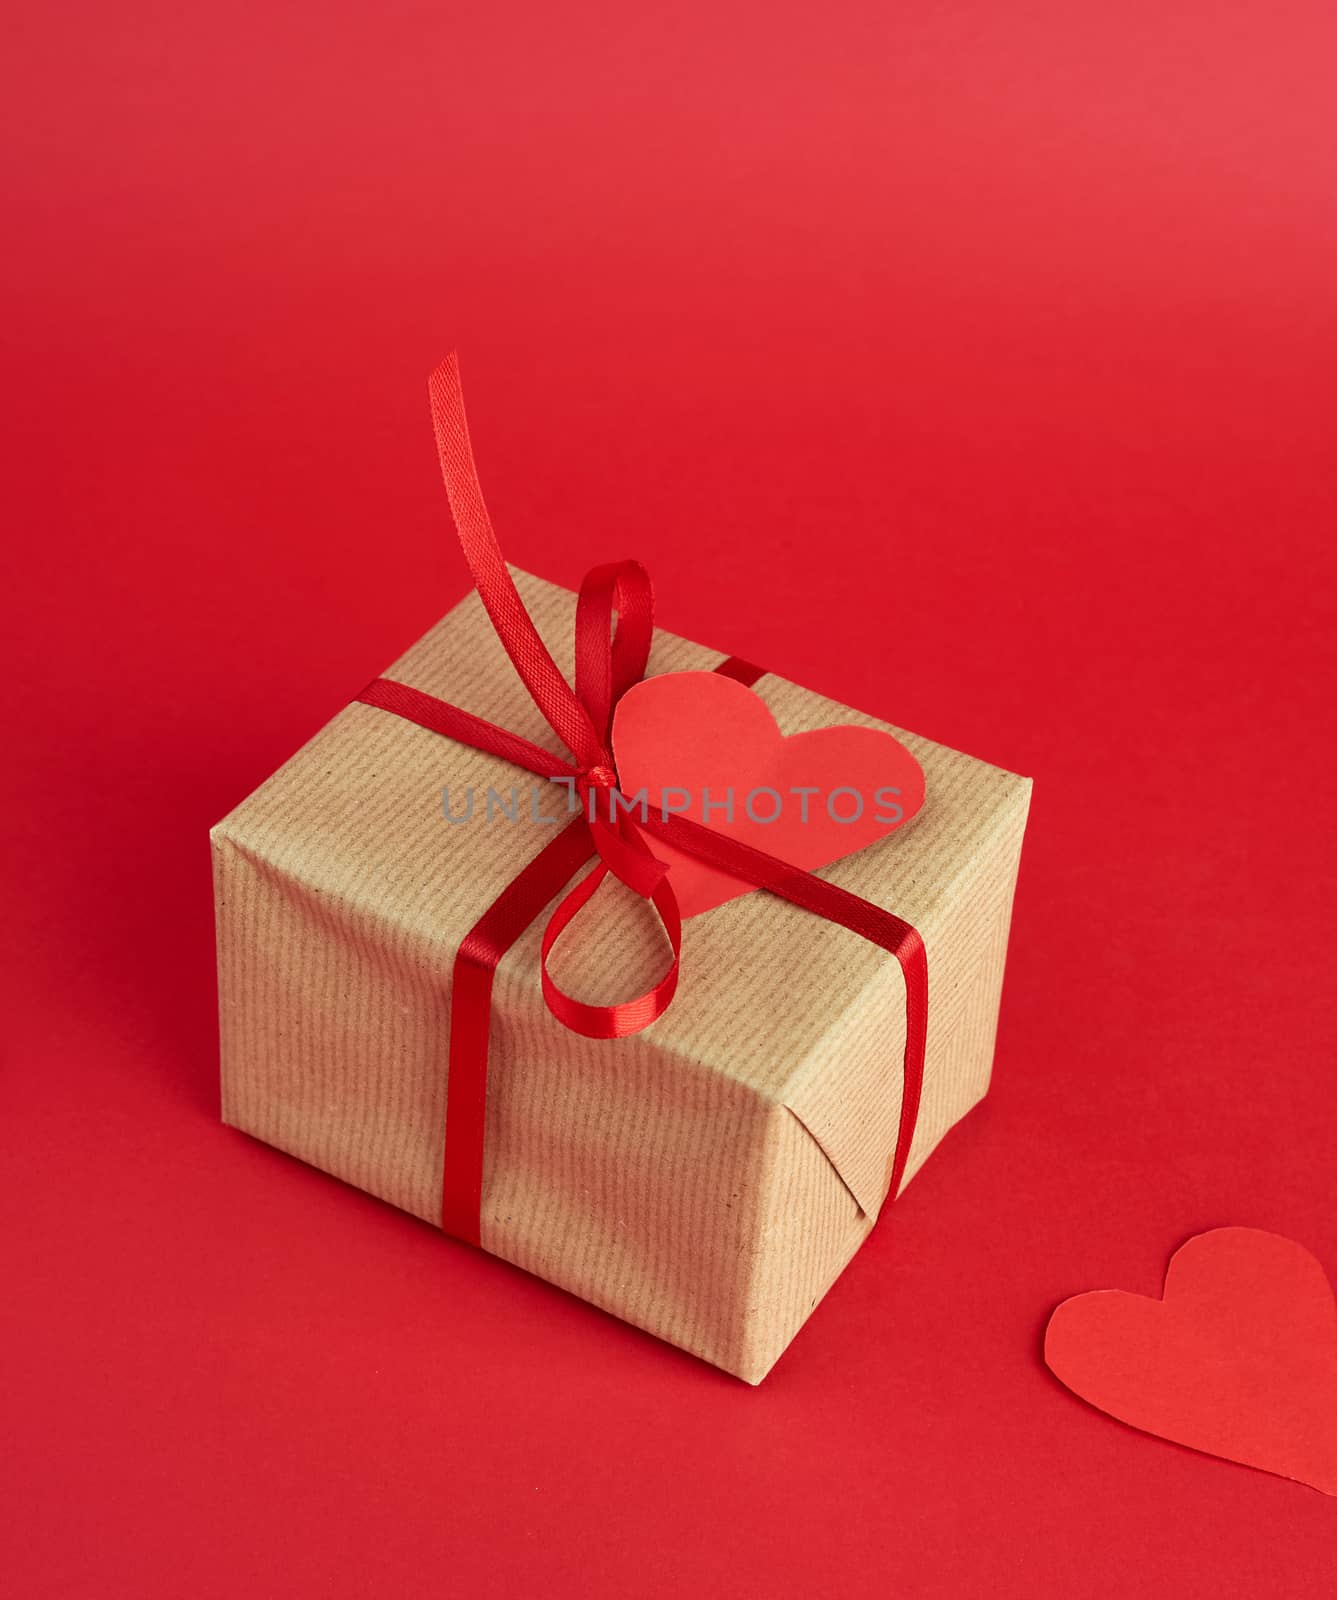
(706, 1179)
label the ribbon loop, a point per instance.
(604, 670)
(550, 691)
(627, 1016)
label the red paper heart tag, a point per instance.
(706, 747)
(1239, 1359)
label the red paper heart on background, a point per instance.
(1239, 1359)
(700, 732)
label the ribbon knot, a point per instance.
(592, 781)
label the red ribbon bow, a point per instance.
(609, 660)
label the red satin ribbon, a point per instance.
(609, 659)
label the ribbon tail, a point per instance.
(624, 1017)
(496, 588)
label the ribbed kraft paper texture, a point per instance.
(707, 1179)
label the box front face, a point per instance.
(648, 1175)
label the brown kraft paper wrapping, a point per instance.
(707, 1179)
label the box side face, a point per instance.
(610, 1171)
(811, 1227)
(967, 951)
(827, 1164)
(951, 874)
(850, 1096)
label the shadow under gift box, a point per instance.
(707, 1179)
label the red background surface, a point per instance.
(971, 363)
